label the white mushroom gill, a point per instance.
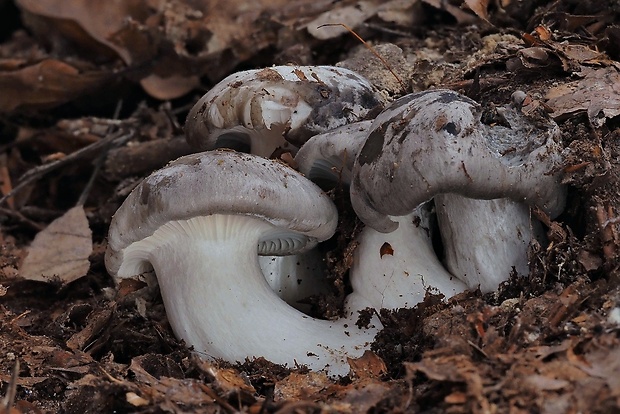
(219, 302)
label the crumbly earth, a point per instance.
(545, 343)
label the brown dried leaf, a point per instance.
(368, 365)
(47, 83)
(351, 15)
(301, 386)
(96, 322)
(61, 251)
(545, 383)
(479, 7)
(401, 12)
(365, 398)
(605, 363)
(227, 381)
(84, 22)
(597, 94)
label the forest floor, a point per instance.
(93, 98)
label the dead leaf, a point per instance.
(60, 252)
(227, 381)
(597, 94)
(96, 322)
(402, 12)
(365, 398)
(46, 84)
(300, 386)
(350, 15)
(542, 382)
(479, 7)
(605, 364)
(369, 365)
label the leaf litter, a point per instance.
(546, 343)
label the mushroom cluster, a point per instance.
(232, 235)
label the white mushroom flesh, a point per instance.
(485, 241)
(395, 270)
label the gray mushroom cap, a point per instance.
(328, 158)
(225, 182)
(278, 104)
(434, 142)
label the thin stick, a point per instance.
(9, 397)
(373, 51)
(42, 170)
(100, 160)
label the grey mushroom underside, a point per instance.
(327, 159)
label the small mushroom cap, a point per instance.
(434, 142)
(279, 103)
(225, 182)
(328, 158)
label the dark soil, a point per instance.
(545, 343)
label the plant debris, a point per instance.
(73, 342)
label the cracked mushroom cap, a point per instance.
(434, 142)
(223, 182)
(261, 110)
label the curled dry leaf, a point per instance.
(45, 84)
(60, 252)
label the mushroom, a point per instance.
(433, 144)
(484, 241)
(200, 224)
(390, 270)
(296, 278)
(262, 110)
(327, 158)
(395, 270)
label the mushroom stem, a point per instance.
(212, 296)
(296, 278)
(485, 240)
(395, 270)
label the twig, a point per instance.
(9, 398)
(100, 160)
(20, 217)
(373, 51)
(40, 171)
